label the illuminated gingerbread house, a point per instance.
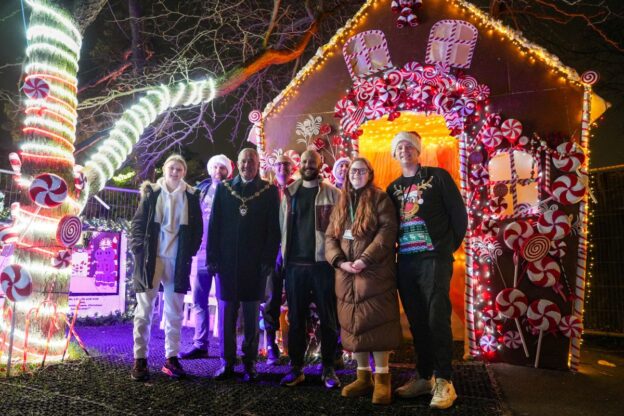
(510, 123)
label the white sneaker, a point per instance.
(443, 394)
(415, 387)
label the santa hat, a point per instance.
(221, 160)
(338, 162)
(406, 136)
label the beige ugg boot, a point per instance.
(383, 389)
(363, 385)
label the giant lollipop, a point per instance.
(514, 235)
(544, 272)
(543, 315)
(16, 283)
(512, 304)
(568, 189)
(555, 224)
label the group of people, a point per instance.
(349, 250)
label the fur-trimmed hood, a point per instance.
(149, 187)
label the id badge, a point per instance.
(347, 234)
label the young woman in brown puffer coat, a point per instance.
(360, 243)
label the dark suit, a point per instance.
(242, 251)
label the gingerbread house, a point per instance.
(506, 118)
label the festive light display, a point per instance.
(506, 174)
(45, 226)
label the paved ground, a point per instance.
(597, 389)
(101, 386)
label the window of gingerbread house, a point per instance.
(514, 178)
(366, 53)
(452, 43)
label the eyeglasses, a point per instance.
(358, 172)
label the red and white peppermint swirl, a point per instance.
(48, 190)
(479, 176)
(8, 234)
(590, 77)
(365, 92)
(482, 92)
(491, 317)
(16, 283)
(62, 259)
(343, 107)
(491, 137)
(555, 224)
(511, 303)
(498, 206)
(421, 93)
(568, 157)
(544, 273)
(374, 109)
(570, 326)
(490, 227)
(511, 129)
(442, 103)
(16, 162)
(469, 84)
(543, 315)
(394, 77)
(430, 72)
(516, 232)
(465, 106)
(558, 249)
(493, 119)
(36, 88)
(488, 343)
(535, 247)
(80, 180)
(69, 230)
(512, 340)
(568, 189)
(255, 116)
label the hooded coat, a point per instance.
(144, 233)
(368, 308)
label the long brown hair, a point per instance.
(365, 214)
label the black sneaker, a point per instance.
(193, 354)
(293, 378)
(140, 372)
(224, 373)
(173, 368)
(251, 374)
(273, 354)
(330, 379)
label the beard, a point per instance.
(307, 175)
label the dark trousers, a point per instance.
(424, 284)
(228, 315)
(272, 307)
(305, 283)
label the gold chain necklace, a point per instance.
(243, 208)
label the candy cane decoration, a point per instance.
(581, 260)
(469, 280)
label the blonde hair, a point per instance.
(176, 158)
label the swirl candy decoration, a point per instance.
(511, 129)
(479, 176)
(344, 106)
(374, 109)
(469, 84)
(544, 273)
(543, 315)
(568, 189)
(570, 326)
(16, 283)
(490, 227)
(394, 77)
(498, 206)
(365, 91)
(255, 116)
(512, 340)
(516, 232)
(69, 231)
(554, 224)
(48, 190)
(491, 317)
(491, 137)
(62, 259)
(8, 235)
(513, 303)
(558, 249)
(535, 247)
(16, 162)
(568, 157)
(488, 343)
(590, 77)
(36, 88)
(482, 92)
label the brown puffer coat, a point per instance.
(368, 308)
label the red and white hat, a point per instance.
(221, 160)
